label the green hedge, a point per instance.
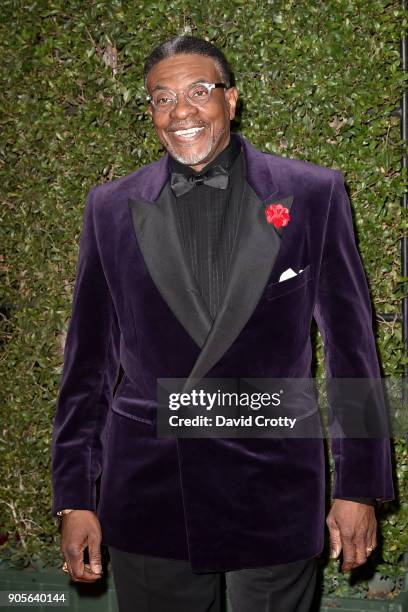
(318, 81)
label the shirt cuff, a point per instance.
(369, 501)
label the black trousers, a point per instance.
(151, 584)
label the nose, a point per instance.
(182, 108)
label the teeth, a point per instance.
(188, 132)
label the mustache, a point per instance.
(185, 126)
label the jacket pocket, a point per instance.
(277, 289)
(141, 411)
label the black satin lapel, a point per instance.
(158, 239)
(255, 250)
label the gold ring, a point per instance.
(65, 567)
(370, 548)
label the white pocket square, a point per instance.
(289, 273)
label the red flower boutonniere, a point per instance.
(277, 214)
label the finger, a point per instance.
(361, 551)
(88, 575)
(74, 555)
(349, 554)
(94, 551)
(371, 540)
(335, 539)
(371, 545)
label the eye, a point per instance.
(163, 99)
(199, 92)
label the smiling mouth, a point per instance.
(187, 134)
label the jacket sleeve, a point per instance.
(90, 371)
(344, 317)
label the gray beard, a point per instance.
(193, 160)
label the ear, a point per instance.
(149, 110)
(232, 97)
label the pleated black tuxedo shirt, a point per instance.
(207, 220)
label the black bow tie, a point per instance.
(215, 177)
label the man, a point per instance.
(210, 263)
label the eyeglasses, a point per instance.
(197, 94)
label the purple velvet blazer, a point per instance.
(222, 503)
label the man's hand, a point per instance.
(81, 529)
(353, 529)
